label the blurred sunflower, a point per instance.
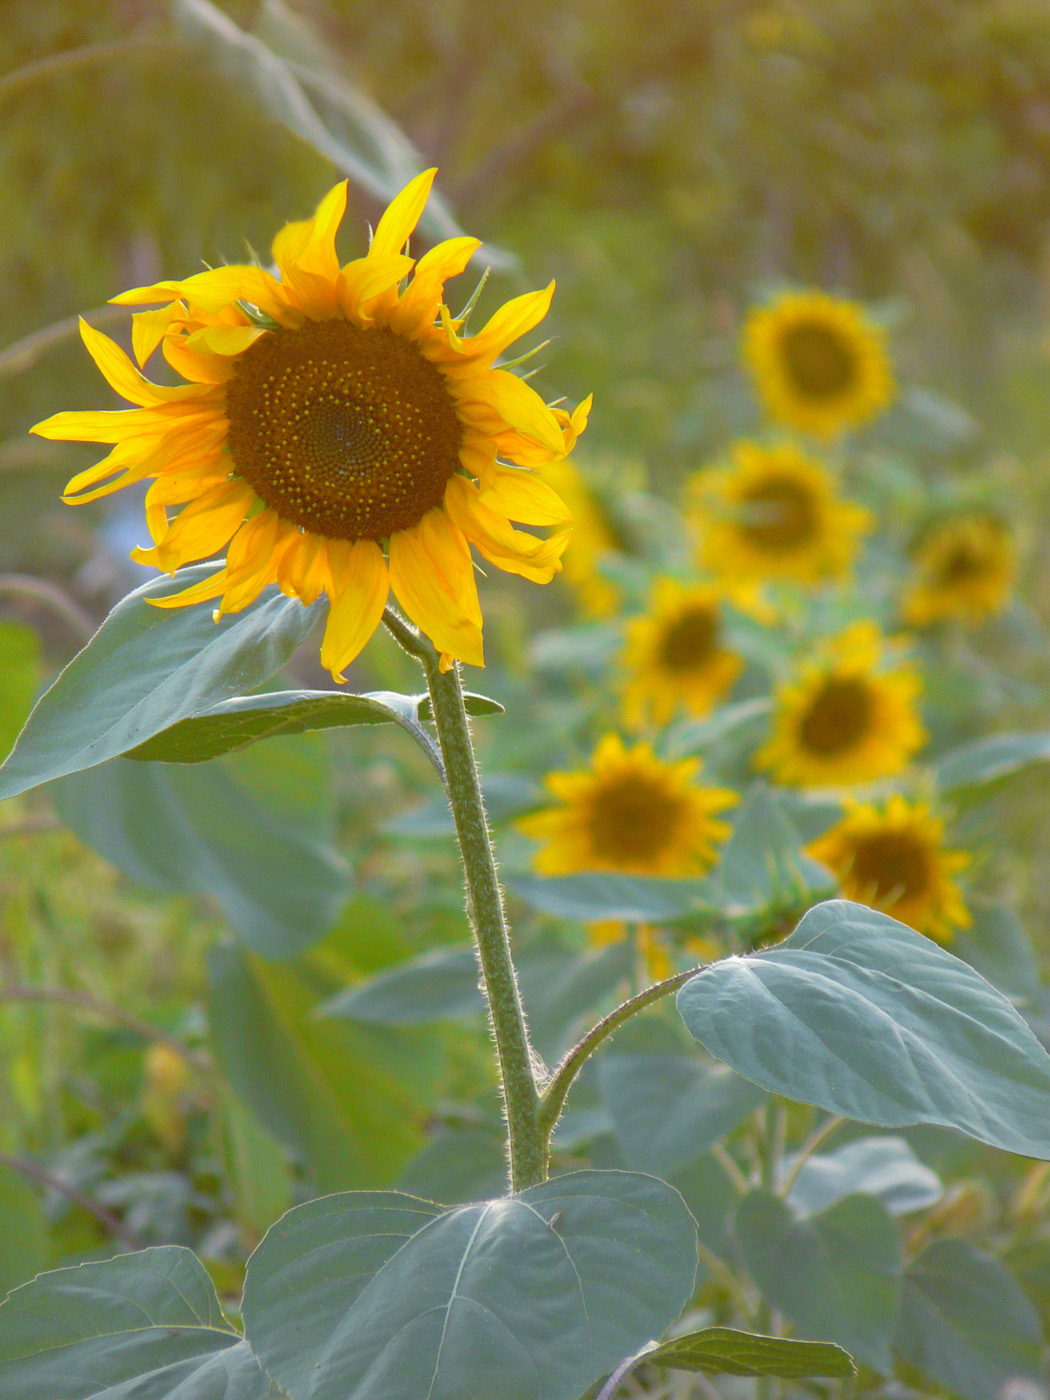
(819, 362)
(963, 568)
(675, 657)
(631, 812)
(843, 718)
(593, 536)
(337, 433)
(774, 514)
(893, 858)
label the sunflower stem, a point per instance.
(518, 1065)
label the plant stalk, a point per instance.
(517, 1064)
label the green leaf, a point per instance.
(668, 1109)
(458, 1164)
(146, 1324)
(712, 1196)
(382, 1296)
(730, 730)
(19, 678)
(986, 760)
(625, 898)
(721, 1351)
(965, 1322)
(23, 1230)
(256, 1166)
(884, 1167)
(252, 832)
(866, 1019)
(763, 862)
(998, 947)
(341, 1096)
(147, 668)
(836, 1275)
(245, 719)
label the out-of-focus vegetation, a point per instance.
(671, 164)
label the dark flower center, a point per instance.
(691, 640)
(633, 820)
(962, 564)
(890, 864)
(350, 433)
(838, 717)
(779, 514)
(819, 361)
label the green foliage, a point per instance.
(722, 1351)
(23, 1231)
(861, 1016)
(389, 1296)
(148, 1324)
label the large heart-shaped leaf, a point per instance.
(865, 1018)
(723, 1351)
(965, 1322)
(145, 669)
(146, 1325)
(836, 1275)
(885, 1167)
(245, 719)
(381, 1296)
(763, 862)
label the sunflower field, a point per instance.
(632, 422)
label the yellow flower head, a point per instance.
(964, 568)
(592, 537)
(337, 433)
(843, 718)
(629, 812)
(675, 657)
(819, 363)
(774, 513)
(893, 858)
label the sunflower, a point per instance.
(893, 858)
(675, 657)
(964, 568)
(337, 433)
(819, 362)
(629, 812)
(845, 718)
(593, 536)
(774, 513)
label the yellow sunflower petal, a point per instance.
(199, 593)
(148, 329)
(518, 404)
(418, 304)
(432, 575)
(224, 340)
(205, 526)
(522, 496)
(513, 320)
(308, 245)
(365, 278)
(515, 551)
(357, 609)
(303, 572)
(216, 289)
(402, 215)
(121, 375)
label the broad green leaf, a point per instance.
(341, 1096)
(624, 898)
(23, 1230)
(19, 678)
(724, 1351)
(965, 1322)
(865, 1018)
(712, 1196)
(145, 669)
(507, 795)
(836, 1275)
(381, 1296)
(741, 725)
(256, 1166)
(763, 862)
(986, 760)
(253, 832)
(146, 1325)
(885, 1167)
(668, 1109)
(245, 719)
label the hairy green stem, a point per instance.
(562, 1079)
(517, 1064)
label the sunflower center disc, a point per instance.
(963, 563)
(890, 863)
(819, 362)
(633, 821)
(690, 640)
(779, 514)
(838, 718)
(350, 433)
